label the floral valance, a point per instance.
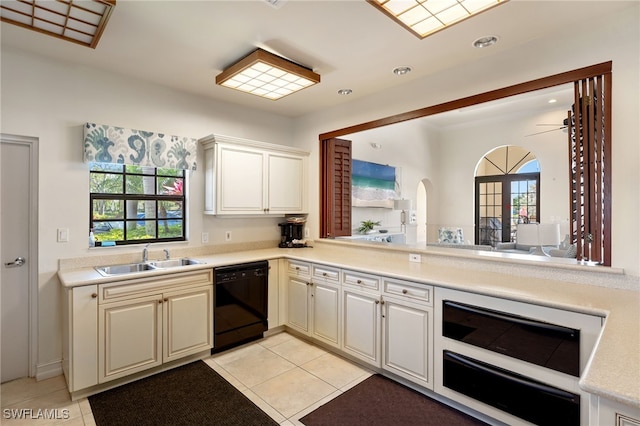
(110, 144)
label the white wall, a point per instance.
(411, 149)
(447, 156)
(52, 100)
(613, 38)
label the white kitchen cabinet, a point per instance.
(187, 322)
(297, 285)
(407, 338)
(325, 305)
(361, 325)
(614, 413)
(391, 328)
(130, 337)
(313, 301)
(298, 304)
(149, 322)
(244, 177)
(125, 327)
(80, 337)
(408, 331)
(144, 332)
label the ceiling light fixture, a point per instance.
(77, 21)
(264, 74)
(402, 70)
(345, 92)
(426, 17)
(485, 41)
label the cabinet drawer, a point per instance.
(414, 291)
(153, 285)
(363, 281)
(299, 268)
(326, 273)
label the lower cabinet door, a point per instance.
(408, 341)
(188, 322)
(298, 304)
(129, 337)
(361, 326)
(325, 301)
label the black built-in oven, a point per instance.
(541, 343)
(240, 304)
(537, 342)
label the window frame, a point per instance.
(124, 197)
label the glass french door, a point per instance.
(502, 202)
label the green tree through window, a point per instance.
(134, 204)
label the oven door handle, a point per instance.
(531, 323)
(535, 385)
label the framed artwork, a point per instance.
(373, 185)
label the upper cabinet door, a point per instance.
(286, 184)
(244, 177)
(240, 180)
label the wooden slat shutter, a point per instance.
(590, 169)
(335, 220)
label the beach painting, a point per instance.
(373, 185)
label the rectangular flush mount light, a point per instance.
(77, 21)
(264, 74)
(425, 17)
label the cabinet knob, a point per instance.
(404, 291)
(94, 295)
(324, 274)
(382, 302)
(159, 301)
(166, 299)
(359, 281)
(377, 302)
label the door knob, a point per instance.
(18, 262)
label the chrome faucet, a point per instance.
(145, 253)
(166, 254)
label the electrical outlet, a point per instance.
(205, 237)
(227, 236)
(415, 258)
(306, 233)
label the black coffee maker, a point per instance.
(290, 232)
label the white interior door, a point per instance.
(16, 250)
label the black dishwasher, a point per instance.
(240, 304)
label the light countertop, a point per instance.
(613, 372)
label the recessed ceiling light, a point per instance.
(485, 41)
(402, 70)
(553, 101)
(345, 92)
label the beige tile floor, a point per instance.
(285, 376)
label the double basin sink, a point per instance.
(154, 265)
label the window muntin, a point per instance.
(135, 204)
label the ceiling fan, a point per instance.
(563, 127)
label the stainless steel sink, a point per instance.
(172, 263)
(124, 269)
(155, 265)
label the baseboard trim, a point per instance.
(48, 370)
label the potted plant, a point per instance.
(367, 225)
